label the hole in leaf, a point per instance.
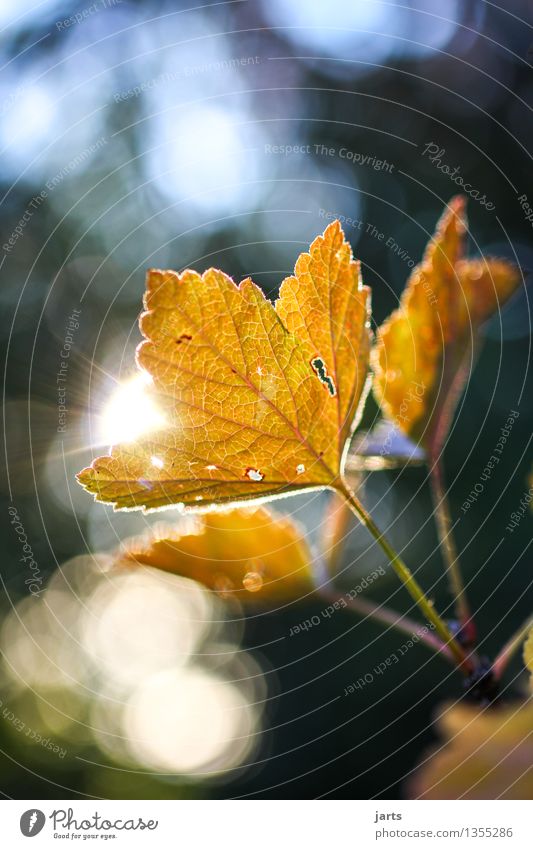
(319, 367)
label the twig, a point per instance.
(510, 647)
(444, 528)
(387, 616)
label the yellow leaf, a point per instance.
(424, 349)
(488, 755)
(325, 304)
(256, 555)
(257, 400)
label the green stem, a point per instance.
(386, 616)
(510, 647)
(409, 581)
(444, 529)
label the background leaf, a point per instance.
(488, 755)
(256, 555)
(425, 349)
(528, 655)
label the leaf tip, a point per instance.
(84, 476)
(154, 279)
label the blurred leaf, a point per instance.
(254, 555)
(423, 351)
(336, 527)
(383, 447)
(258, 400)
(528, 655)
(488, 755)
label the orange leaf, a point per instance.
(487, 755)
(257, 400)
(424, 349)
(253, 555)
(325, 304)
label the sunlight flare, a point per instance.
(130, 412)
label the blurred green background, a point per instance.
(142, 134)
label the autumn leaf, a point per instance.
(254, 555)
(487, 755)
(424, 350)
(257, 400)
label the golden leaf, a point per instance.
(254, 555)
(424, 349)
(258, 400)
(488, 755)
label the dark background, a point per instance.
(179, 174)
